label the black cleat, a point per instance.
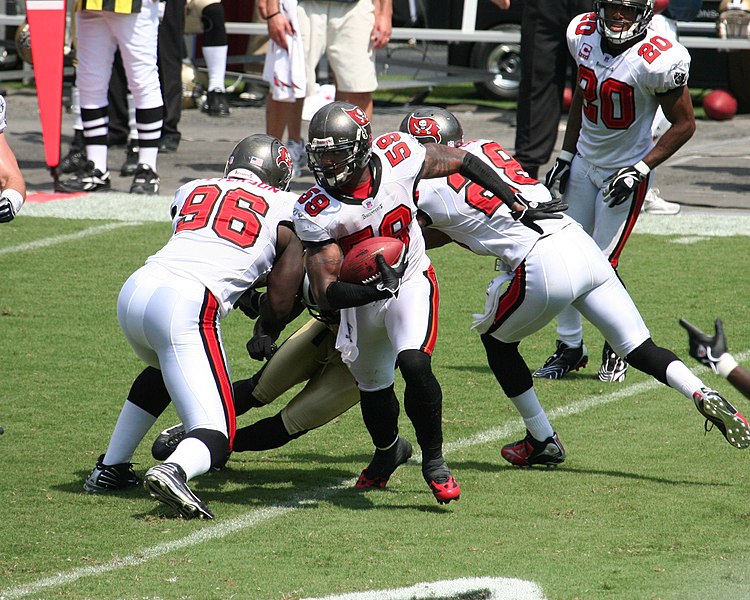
(145, 181)
(564, 359)
(167, 483)
(167, 441)
(87, 179)
(383, 464)
(106, 478)
(530, 451)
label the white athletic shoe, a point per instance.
(654, 204)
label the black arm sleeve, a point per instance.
(341, 294)
(476, 170)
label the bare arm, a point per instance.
(323, 264)
(278, 25)
(283, 282)
(10, 174)
(501, 4)
(381, 31)
(573, 128)
(678, 108)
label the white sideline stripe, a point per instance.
(500, 588)
(59, 239)
(223, 529)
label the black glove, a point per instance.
(6, 211)
(622, 185)
(389, 277)
(704, 349)
(261, 347)
(559, 172)
(249, 303)
(536, 211)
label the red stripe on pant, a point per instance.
(635, 210)
(209, 331)
(511, 299)
(432, 322)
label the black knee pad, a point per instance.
(149, 392)
(214, 26)
(414, 364)
(508, 366)
(652, 359)
(216, 442)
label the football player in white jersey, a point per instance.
(12, 182)
(366, 188)
(626, 70)
(230, 234)
(548, 266)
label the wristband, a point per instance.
(726, 365)
(642, 168)
(278, 12)
(566, 156)
(14, 197)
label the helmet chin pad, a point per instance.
(643, 12)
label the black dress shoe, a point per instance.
(169, 142)
(216, 104)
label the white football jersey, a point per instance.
(397, 160)
(619, 92)
(478, 220)
(225, 234)
(3, 123)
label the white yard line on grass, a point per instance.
(221, 529)
(59, 239)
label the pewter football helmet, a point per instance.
(264, 156)
(339, 144)
(433, 124)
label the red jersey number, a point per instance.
(396, 150)
(613, 102)
(236, 219)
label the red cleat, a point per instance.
(446, 491)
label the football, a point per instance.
(720, 105)
(359, 263)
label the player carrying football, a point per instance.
(365, 189)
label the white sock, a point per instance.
(131, 427)
(98, 155)
(216, 61)
(147, 156)
(533, 414)
(682, 379)
(193, 456)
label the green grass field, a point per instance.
(646, 506)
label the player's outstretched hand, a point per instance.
(261, 347)
(559, 172)
(390, 276)
(6, 210)
(622, 184)
(706, 350)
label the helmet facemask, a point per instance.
(618, 32)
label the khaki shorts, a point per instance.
(342, 31)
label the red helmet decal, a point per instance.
(424, 127)
(357, 115)
(284, 158)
